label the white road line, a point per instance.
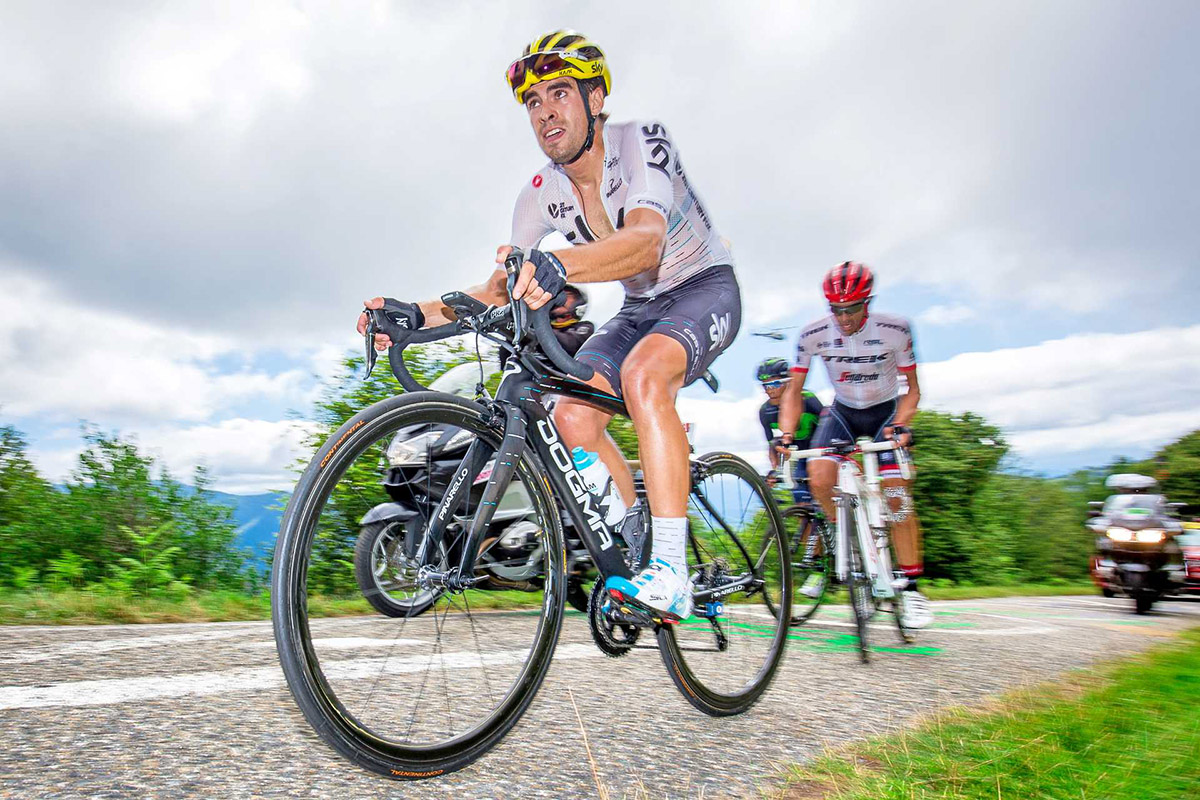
(129, 690)
(73, 649)
(939, 631)
(1023, 631)
(344, 643)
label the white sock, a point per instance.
(670, 541)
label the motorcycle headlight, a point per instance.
(411, 452)
(1150, 536)
(1120, 534)
(463, 436)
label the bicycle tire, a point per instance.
(698, 680)
(310, 686)
(858, 587)
(803, 606)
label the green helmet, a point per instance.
(772, 369)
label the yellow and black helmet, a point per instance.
(562, 53)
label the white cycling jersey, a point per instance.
(641, 170)
(862, 367)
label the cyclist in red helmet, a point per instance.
(865, 353)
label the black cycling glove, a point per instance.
(549, 272)
(399, 319)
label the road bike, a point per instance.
(417, 696)
(856, 552)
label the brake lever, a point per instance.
(512, 266)
(369, 336)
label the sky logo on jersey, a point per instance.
(718, 331)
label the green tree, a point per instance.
(30, 513)
(955, 456)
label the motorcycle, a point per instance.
(1137, 554)
(420, 461)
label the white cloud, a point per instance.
(62, 361)
(946, 315)
(1085, 392)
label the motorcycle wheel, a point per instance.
(382, 575)
(577, 596)
(1143, 601)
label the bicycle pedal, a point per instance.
(631, 612)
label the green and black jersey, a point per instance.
(768, 416)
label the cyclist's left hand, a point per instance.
(904, 439)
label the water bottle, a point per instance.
(598, 480)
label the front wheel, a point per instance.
(858, 585)
(724, 656)
(812, 561)
(413, 696)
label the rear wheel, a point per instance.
(724, 656)
(412, 696)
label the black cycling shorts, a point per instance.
(703, 314)
(851, 424)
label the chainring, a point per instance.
(613, 639)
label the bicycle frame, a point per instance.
(526, 423)
(858, 496)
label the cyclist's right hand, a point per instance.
(398, 319)
(542, 276)
(772, 478)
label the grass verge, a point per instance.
(1127, 730)
(1022, 590)
(77, 607)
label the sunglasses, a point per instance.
(848, 311)
(539, 66)
(775, 384)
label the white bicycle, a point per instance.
(862, 551)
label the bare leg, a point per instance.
(651, 377)
(583, 425)
(822, 476)
(906, 534)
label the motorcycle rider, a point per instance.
(566, 317)
(865, 352)
(774, 375)
(618, 193)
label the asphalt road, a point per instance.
(202, 710)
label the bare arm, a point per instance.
(907, 407)
(635, 248)
(491, 292)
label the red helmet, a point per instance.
(848, 282)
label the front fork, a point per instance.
(872, 539)
(462, 575)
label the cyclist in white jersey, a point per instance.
(864, 353)
(619, 194)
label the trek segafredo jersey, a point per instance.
(862, 367)
(641, 170)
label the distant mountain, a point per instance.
(257, 517)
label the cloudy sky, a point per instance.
(195, 198)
